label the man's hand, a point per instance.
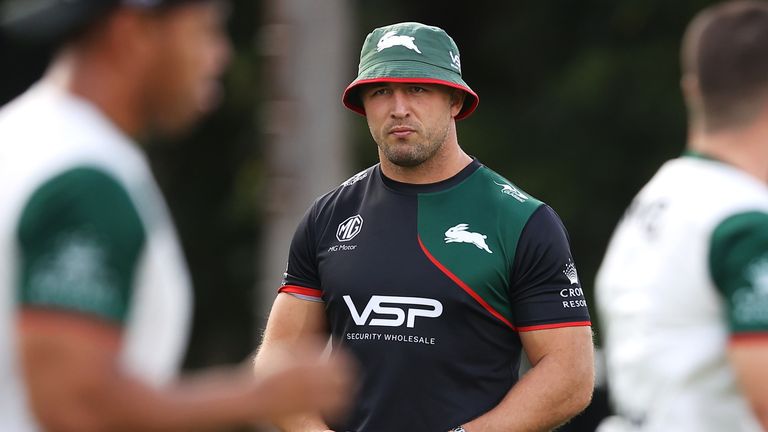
(74, 383)
(299, 379)
(291, 322)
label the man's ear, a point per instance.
(457, 101)
(689, 85)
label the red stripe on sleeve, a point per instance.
(748, 337)
(555, 325)
(294, 289)
(465, 287)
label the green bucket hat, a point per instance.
(409, 52)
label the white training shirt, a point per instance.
(45, 134)
(664, 320)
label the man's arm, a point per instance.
(74, 383)
(555, 334)
(749, 359)
(737, 263)
(291, 321)
(558, 386)
(80, 239)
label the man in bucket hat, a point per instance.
(432, 269)
(94, 292)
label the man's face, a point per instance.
(409, 121)
(191, 52)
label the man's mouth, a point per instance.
(401, 131)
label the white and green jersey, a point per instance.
(84, 230)
(685, 274)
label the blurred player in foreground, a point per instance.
(435, 271)
(93, 288)
(683, 289)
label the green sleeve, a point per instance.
(80, 238)
(738, 261)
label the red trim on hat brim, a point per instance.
(464, 113)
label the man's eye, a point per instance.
(379, 91)
(417, 89)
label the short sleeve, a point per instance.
(301, 275)
(738, 261)
(545, 289)
(79, 238)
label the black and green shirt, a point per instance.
(429, 285)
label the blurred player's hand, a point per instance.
(305, 379)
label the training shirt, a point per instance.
(429, 286)
(685, 273)
(84, 230)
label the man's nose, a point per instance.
(400, 104)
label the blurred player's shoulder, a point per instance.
(700, 190)
(46, 130)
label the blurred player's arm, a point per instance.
(72, 372)
(298, 313)
(80, 240)
(749, 360)
(556, 388)
(291, 321)
(739, 265)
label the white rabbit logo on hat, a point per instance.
(391, 39)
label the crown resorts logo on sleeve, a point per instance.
(572, 297)
(391, 39)
(571, 273)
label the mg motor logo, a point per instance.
(349, 228)
(400, 310)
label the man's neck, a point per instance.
(744, 148)
(445, 164)
(100, 84)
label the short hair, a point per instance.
(726, 49)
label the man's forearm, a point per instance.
(205, 404)
(123, 404)
(748, 361)
(547, 396)
(302, 423)
(291, 321)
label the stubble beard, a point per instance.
(414, 151)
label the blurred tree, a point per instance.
(212, 179)
(303, 122)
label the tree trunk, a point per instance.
(306, 44)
